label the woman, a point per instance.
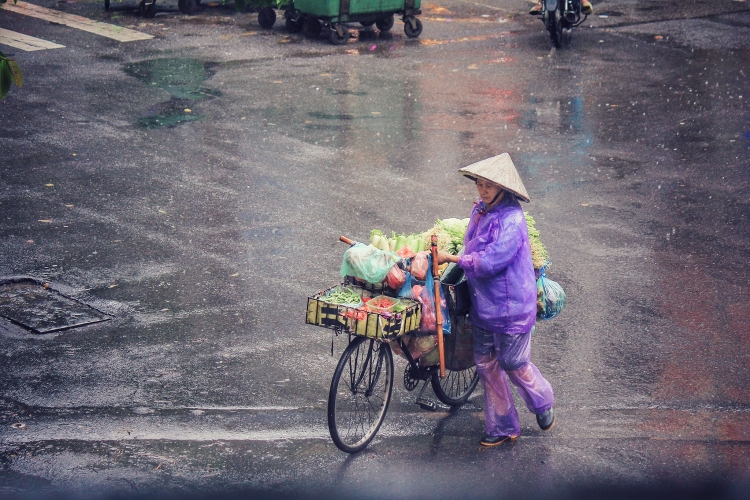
(497, 262)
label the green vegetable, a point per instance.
(412, 241)
(342, 295)
(539, 255)
(450, 234)
(400, 242)
(379, 241)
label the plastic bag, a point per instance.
(424, 293)
(420, 265)
(406, 253)
(367, 263)
(550, 297)
(417, 346)
(395, 278)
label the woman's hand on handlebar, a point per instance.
(443, 257)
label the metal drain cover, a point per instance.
(31, 305)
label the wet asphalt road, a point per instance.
(202, 232)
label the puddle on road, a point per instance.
(182, 78)
(168, 114)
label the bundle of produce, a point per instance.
(396, 242)
(539, 255)
(342, 295)
(450, 234)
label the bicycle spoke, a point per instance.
(361, 398)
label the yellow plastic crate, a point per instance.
(361, 321)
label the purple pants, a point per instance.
(499, 357)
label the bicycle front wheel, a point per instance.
(456, 387)
(360, 392)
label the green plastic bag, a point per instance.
(368, 263)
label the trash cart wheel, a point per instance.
(340, 34)
(367, 24)
(267, 17)
(147, 9)
(385, 23)
(360, 392)
(293, 25)
(311, 27)
(413, 27)
(106, 4)
(187, 6)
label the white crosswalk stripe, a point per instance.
(108, 30)
(25, 42)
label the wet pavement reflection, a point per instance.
(193, 188)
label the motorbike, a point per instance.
(560, 16)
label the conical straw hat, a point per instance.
(500, 170)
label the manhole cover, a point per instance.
(43, 310)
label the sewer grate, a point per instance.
(35, 306)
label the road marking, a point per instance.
(25, 42)
(109, 30)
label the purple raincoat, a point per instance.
(499, 270)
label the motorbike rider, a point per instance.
(586, 8)
(500, 274)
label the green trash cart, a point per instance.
(266, 9)
(313, 16)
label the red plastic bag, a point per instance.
(395, 278)
(420, 264)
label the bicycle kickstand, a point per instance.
(425, 403)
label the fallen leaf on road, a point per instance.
(45, 220)
(233, 275)
(49, 185)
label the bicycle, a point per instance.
(362, 383)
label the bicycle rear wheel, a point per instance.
(456, 387)
(360, 392)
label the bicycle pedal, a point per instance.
(426, 404)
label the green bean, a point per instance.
(342, 296)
